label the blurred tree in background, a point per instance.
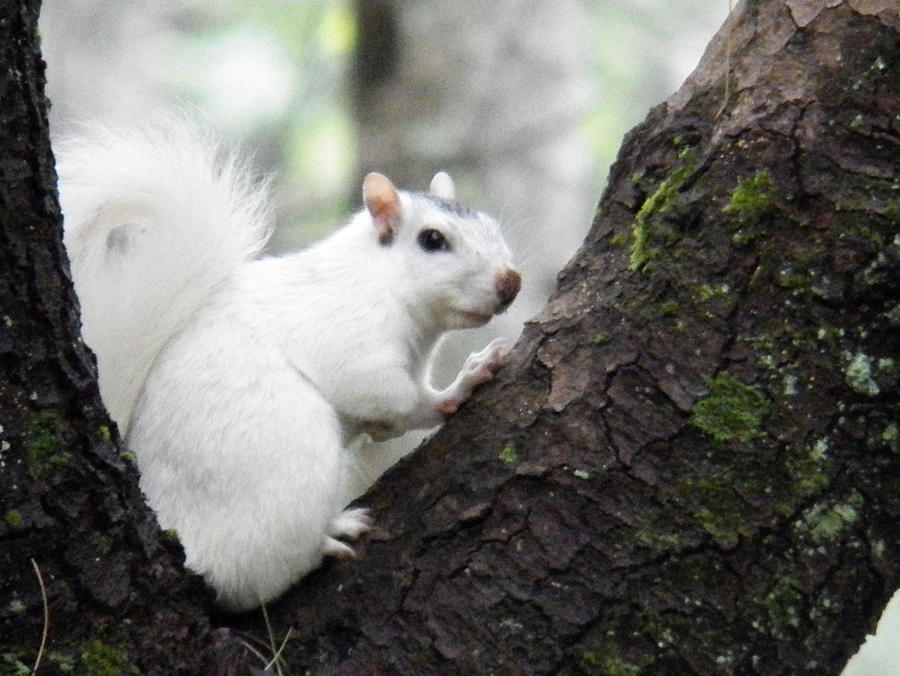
(507, 96)
(276, 76)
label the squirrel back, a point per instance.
(156, 218)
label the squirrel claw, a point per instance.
(337, 549)
(448, 406)
(478, 368)
(351, 523)
(481, 366)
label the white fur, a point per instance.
(154, 223)
(243, 384)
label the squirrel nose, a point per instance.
(508, 284)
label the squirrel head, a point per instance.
(458, 264)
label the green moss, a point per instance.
(751, 198)
(809, 471)
(655, 529)
(609, 665)
(46, 451)
(14, 660)
(858, 374)
(508, 454)
(669, 308)
(619, 239)
(731, 410)
(723, 526)
(715, 507)
(824, 522)
(128, 457)
(591, 658)
(797, 283)
(11, 664)
(13, 518)
(102, 659)
(789, 382)
(641, 254)
(609, 659)
(103, 543)
(104, 433)
(891, 435)
(706, 292)
(783, 604)
(658, 203)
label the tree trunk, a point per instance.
(73, 526)
(689, 466)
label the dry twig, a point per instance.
(40, 655)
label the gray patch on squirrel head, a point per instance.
(452, 207)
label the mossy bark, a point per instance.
(690, 465)
(118, 600)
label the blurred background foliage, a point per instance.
(273, 75)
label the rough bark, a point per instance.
(689, 466)
(71, 516)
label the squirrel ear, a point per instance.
(383, 203)
(442, 186)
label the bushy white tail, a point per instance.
(155, 220)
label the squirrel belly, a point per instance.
(249, 387)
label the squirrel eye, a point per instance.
(432, 240)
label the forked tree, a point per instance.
(690, 464)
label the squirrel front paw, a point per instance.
(478, 368)
(351, 523)
(380, 431)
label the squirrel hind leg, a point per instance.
(351, 523)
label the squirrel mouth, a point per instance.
(472, 319)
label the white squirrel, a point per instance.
(244, 384)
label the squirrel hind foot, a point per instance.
(351, 523)
(339, 550)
